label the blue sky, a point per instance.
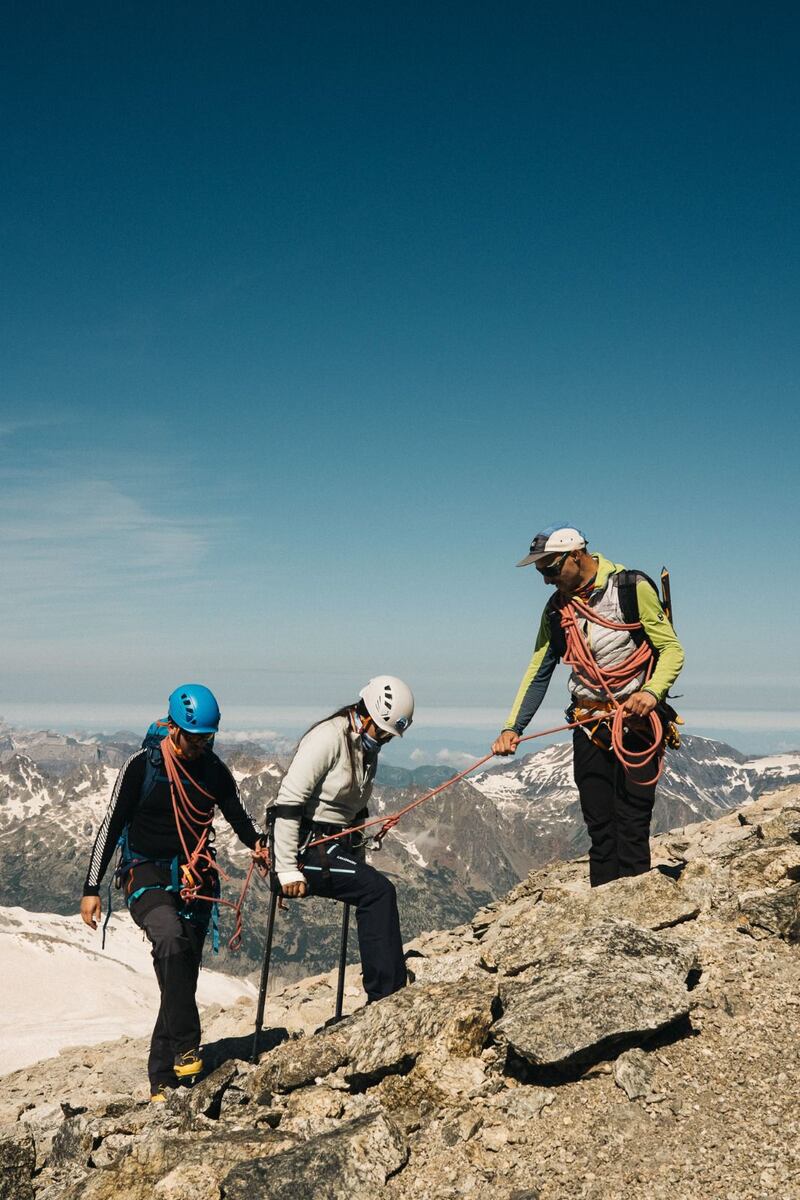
(313, 315)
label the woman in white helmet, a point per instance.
(326, 789)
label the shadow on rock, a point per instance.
(527, 1073)
(228, 1048)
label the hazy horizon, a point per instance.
(436, 737)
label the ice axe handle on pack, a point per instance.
(666, 595)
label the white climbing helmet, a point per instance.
(389, 702)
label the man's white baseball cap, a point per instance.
(556, 539)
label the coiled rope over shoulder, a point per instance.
(612, 680)
(608, 680)
(192, 822)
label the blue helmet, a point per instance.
(194, 708)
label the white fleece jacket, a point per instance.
(323, 786)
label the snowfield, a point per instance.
(60, 989)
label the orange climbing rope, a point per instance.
(608, 680)
(389, 822)
(192, 821)
(611, 680)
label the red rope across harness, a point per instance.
(192, 821)
(608, 680)
(389, 822)
(612, 680)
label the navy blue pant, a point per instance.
(616, 807)
(177, 949)
(335, 872)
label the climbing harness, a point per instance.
(190, 873)
(122, 879)
(613, 679)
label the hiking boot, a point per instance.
(187, 1064)
(161, 1093)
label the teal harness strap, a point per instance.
(188, 915)
(128, 859)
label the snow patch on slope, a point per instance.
(67, 991)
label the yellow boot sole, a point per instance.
(187, 1070)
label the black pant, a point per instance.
(177, 950)
(334, 871)
(616, 807)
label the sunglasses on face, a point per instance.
(198, 739)
(551, 570)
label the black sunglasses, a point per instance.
(555, 568)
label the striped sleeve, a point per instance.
(124, 799)
(535, 681)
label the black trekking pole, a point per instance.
(342, 963)
(262, 991)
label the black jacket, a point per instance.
(152, 832)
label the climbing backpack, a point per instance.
(626, 582)
(629, 605)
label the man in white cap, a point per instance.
(584, 621)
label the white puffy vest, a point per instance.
(609, 646)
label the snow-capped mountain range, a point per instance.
(701, 779)
(466, 846)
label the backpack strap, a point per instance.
(154, 764)
(558, 639)
(628, 601)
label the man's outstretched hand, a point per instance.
(506, 743)
(91, 910)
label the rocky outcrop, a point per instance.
(606, 984)
(638, 1040)
(353, 1160)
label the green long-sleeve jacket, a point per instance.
(547, 652)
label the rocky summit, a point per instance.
(637, 1041)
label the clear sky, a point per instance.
(313, 314)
